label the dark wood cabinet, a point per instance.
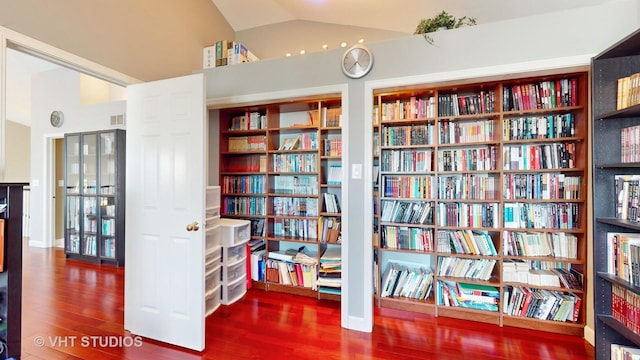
(94, 196)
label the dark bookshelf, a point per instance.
(11, 195)
(620, 60)
(95, 196)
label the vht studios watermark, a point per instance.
(88, 341)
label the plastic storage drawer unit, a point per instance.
(231, 254)
(234, 231)
(212, 300)
(233, 292)
(233, 272)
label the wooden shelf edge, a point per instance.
(544, 325)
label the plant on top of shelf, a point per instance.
(442, 21)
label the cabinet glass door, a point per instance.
(72, 151)
(90, 226)
(89, 163)
(107, 164)
(72, 226)
(108, 226)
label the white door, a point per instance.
(164, 262)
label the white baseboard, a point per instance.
(590, 335)
(59, 243)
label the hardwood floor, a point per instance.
(66, 299)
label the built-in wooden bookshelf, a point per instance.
(281, 168)
(616, 293)
(472, 180)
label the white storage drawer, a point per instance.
(212, 197)
(234, 231)
(213, 257)
(233, 292)
(212, 222)
(212, 300)
(233, 272)
(231, 254)
(212, 212)
(212, 279)
(212, 238)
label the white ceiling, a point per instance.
(391, 15)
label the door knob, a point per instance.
(194, 226)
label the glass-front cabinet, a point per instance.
(94, 197)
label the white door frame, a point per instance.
(42, 229)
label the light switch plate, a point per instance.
(356, 171)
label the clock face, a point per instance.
(357, 61)
(57, 118)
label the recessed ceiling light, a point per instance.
(360, 41)
(325, 46)
(288, 54)
(344, 44)
(302, 52)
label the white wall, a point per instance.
(18, 152)
(57, 90)
(526, 46)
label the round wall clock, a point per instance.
(357, 61)
(56, 118)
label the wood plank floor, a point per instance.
(66, 299)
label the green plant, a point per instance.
(442, 20)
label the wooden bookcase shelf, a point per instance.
(280, 167)
(618, 61)
(493, 164)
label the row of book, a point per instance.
(468, 187)
(484, 215)
(109, 247)
(482, 102)
(548, 94)
(407, 212)
(407, 280)
(332, 147)
(537, 157)
(542, 186)
(477, 269)
(472, 296)
(406, 238)
(458, 132)
(243, 205)
(406, 109)
(301, 229)
(334, 175)
(622, 352)
(408, 135)
(521, 271)
(466, 242)
(294, 206)
(410, 160)
(294, 163)
(542, 304)
(560, 244)
(244, 184)
(108, 227)
(625, 307)
(410, 186)
(226, 52)
(541, 216)
(250, 120)
(304, 141)
(630, 144)
(628, 91)
(623, 256)
(294, 184)
(539, 127)
(330, 230)
(627, 190)
(474, 159)
(331, 203)
(255, 163)
(291, 273)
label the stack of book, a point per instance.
(330, 274)
(226, 52)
